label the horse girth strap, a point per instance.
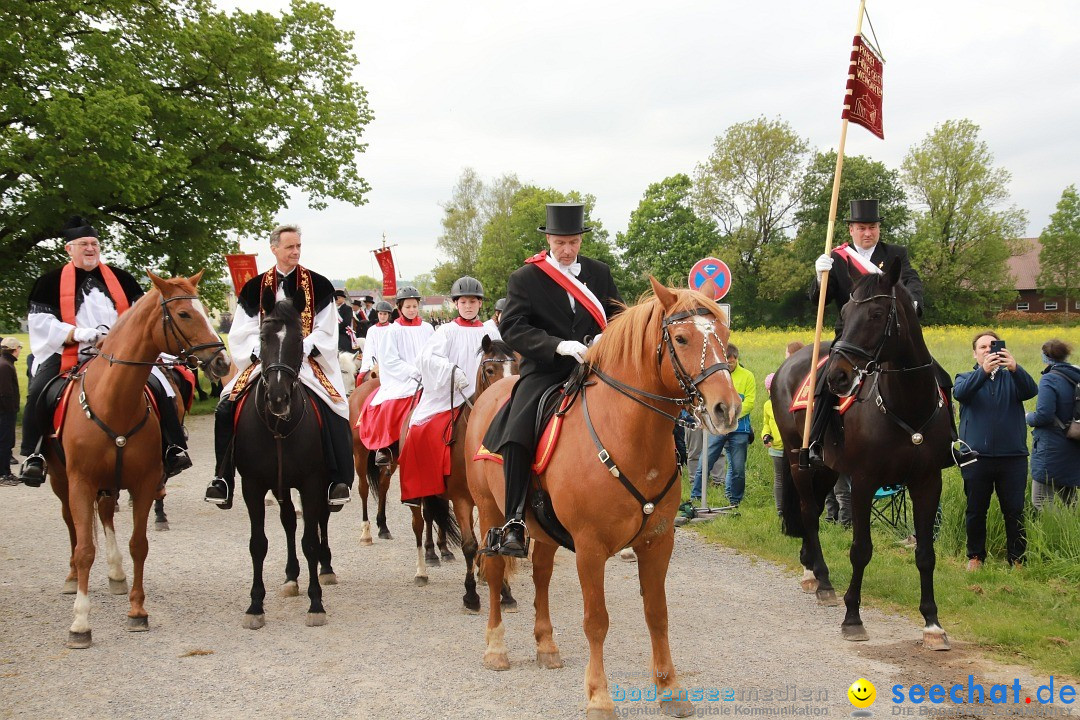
(119, 440)
(647, 506)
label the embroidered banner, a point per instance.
(242, 268)
(863, 95)
(389, 277)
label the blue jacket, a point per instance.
(1054, 457)
(992, 411)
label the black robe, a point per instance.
(842, 278)
(537, 318)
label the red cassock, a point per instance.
(380, 425)
(425, 456)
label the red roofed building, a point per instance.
(1024, 269)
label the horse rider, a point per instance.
(492, 323)
(449, 363)
(375, 334)
(866, 254)
(399, 378)
(320, 372)
(554, 303)
(71, 309)
(345, 321)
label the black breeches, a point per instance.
(31, 422)
(172, 431)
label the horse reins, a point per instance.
(274, 429)
(170, 329)
(120, 440)
(873, 367)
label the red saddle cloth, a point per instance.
(380, 425)
(545, 448)
(802, 398)
(425, 456)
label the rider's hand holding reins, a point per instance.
(572, 348)
(85, 335)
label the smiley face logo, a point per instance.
(862, 694)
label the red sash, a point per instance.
(854, 259)
(70, 356)
(564, 282)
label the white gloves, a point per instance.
(572, 348)
(822, 264)
(415, 375)
(461, 383)
(86, 335)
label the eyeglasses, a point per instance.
(86, 244)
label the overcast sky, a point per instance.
(608, 97)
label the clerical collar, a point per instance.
(281, 274)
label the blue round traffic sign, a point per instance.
(713, 269)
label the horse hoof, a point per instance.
(385, 535)
(78, 640)
(315, 619)
(366, 541)
(809, 586)
(472, 605)
(290, 589)
(471, 611)
(432, 560)
(118, 587)
(677, 708)
(328, 579)
(935, 640)
(419, 581)
(827, 598)
(160, 525)
(600, 714)
(448, 556)
(70, 587)
(496, 661)
(549, 660)
(138, 624)
(254, 622)
(854, 633)
(510, 607)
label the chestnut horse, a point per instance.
(370, 475)
(895, 433)
(112, 439)
(667, 352)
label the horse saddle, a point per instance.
(801, 398)
(554, 404)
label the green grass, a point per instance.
(1027, 615)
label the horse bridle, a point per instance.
(693, 398)
(172, 331)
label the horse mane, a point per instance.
(631, 338)
(283, 314)
(497, 347)
(153, 296)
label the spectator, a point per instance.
(991, 398)
(770, 436)
(1055, 459)
(9, 407)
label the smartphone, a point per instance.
(997, 346)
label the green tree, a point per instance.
(665, 237)
(789, 274)
(362, 282)
(511, 237)
(963, 233)
(1059, 259)
(748, 187)
(425, 284)
(174, 127)
(472, 204)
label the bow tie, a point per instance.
(574, 269)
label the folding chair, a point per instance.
(890, 507)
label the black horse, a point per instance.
(279, 447)
(896, 432)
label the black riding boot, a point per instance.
(220, 489)
(824, 403)
(513, 537)
(32, 472)
(173, 443)
(337, 437)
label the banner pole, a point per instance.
(804, 453)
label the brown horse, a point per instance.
(895, 433)
(111, 438)
(370, 474)
(665, 353)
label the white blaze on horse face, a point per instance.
(508, 368)
(708, 329)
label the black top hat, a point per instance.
(341, 294)
(368, 299)
(864, 211)
(565, 219)
(76, 228)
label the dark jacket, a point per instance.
(842, 278)
(346, 317)
(537, 318)
(1054, 457)
(992, 411)
(9, 388)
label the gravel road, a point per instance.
(394, 650)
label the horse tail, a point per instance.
(510, 565)
(438, 509)
(791, 521)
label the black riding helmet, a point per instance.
(500, 304)
(407, 293)
(467, 287)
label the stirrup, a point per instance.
(33, 479)
(523, 552)
(492, 542)
(962, 453)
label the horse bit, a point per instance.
(873, 366)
